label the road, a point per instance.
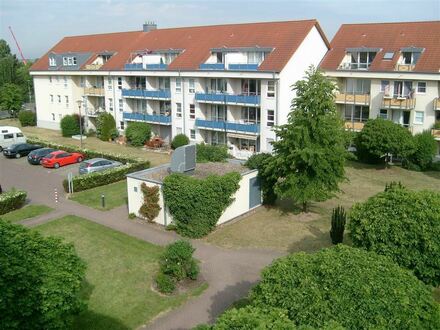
(230, 273)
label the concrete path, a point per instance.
(229, 273)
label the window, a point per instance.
(250, 115)
(8, 136)
(164, 83)
(250, 86)
(178, 85)
(65, 61)
(53, 116)
(410, 57)
(135, 189)
(385, 87)
(219, 56)
(192, 88)
(119, 82)
(271, 88)
(179, 110)
(383, 113)
(50, 79)
(82, 81)
(65, 81)
(388, 56)
(110, 104)
(357, 86)
(58, 78)
(356, 113)
(192, 111)
(67, 100)
(419, 117)
(270, 118)
(219, 85)
(255, 57)
(59, 98)
(52, 61)
(361, 60)
(403, 89)
(73, 60)
(51, 98)
(421, 87)
(19, 134)
(69, 61)
(109, 83)
(121, 125)
(192, 134)
(121, 105)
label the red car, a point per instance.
(60, 158)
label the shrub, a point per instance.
(106, 126)
(403, 225)
(131, 215)
(356, 288)
(436, 125)
(69, 125)
(40, 280)
(425, 150)
(211, 153)
(179, 140)
(11, 200)
(338, 225)
(197, 204)
(178, 262)
(27, 118)
(379, 137)
(150, 208)
(138, 133)
(267, 178)
(165, 283)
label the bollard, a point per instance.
(102, 201)
(56, 195)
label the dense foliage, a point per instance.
(150, 208)
(380, 137)
(403, 225)
(339, 218)
(179, 140)
(261, 162)
(69, 125)
(424, 152)
(138, 133)
(165, 283)
(106, 126)
(211, 153)
(309, 154)
(11, 98)
(40, 280)
(11, 200)
(27, 118)
(356, 288)
(197, 204)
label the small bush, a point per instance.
(338, 225)
(178, 262)
(211, 153)
(69, 125)
(138, 134)
(179, 140)
(27, 118)
(131, 215)
(425, 150)
(106, 126)
(165, 283)
(12, 200)
(267, 178)
(150, 208)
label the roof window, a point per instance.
(388, 56)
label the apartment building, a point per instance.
(387, 70)
(223, 84)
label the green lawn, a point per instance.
(27, 212)
(115, 195)
(284, 228)
(120, 270)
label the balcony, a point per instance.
(404, 67)
(354, 66)
(222, 98)
(158, 66)
(345, 98)
(154, 119)
(92, 112)
(212, 66)
(400, 103)
(133, 66)
(93, 66)
(140, 66)
(228, 126)
(354, 126)
(94, 91)
(437, 104)
(243, 67)
(436, 134)
(161, 94)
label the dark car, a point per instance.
(19, 149)
(35, 157)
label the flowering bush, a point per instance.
(12, 200)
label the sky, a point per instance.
(40, 24)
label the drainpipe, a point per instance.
(277, 101)
(183, 103)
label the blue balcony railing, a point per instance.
(133, 66)
(243, 67)
(159, 119)
(212, 66)
(147, 94)
(158, 66)
(228, 126)
(228, 98)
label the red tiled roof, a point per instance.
(283, 37)
(389, 37)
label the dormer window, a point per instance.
(220, 56)
(361, 60)
(255, 57)
(410, 57)
(52, 61)
(69, 60)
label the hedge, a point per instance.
(138, 133)
(70, 125)
(27, 118)
(211, 153)
(12, 200)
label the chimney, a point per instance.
(149, 26)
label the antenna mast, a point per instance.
(18, 46)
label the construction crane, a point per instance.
(18, 46)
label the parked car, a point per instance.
(60, 158)
(10, 135)
(19, 149)
(35, 157)
(97, 165)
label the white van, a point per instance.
(10, 135)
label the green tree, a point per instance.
(11, 98)
(69, 125)
(424, 152)
(138, 133)
(40, 280)
(106, 126)
(403, 225)
(179, 140)
(356, 288)
(309, 155)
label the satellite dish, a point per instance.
(183, 159)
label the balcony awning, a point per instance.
(242, 136)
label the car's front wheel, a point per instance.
(17, 155)
(79, 160)
(56, 165)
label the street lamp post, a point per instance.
(79, 102)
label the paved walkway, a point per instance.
(230, 273)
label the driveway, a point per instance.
(230, 273)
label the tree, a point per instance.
(403, 225)
(27, 118)
(69, 125)
(11, 98)
(380, 137)
(106, 127)
(356, 288)
(179, 140)
(138, 133)
(40, 280)
(424, 152)
(309, 155)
